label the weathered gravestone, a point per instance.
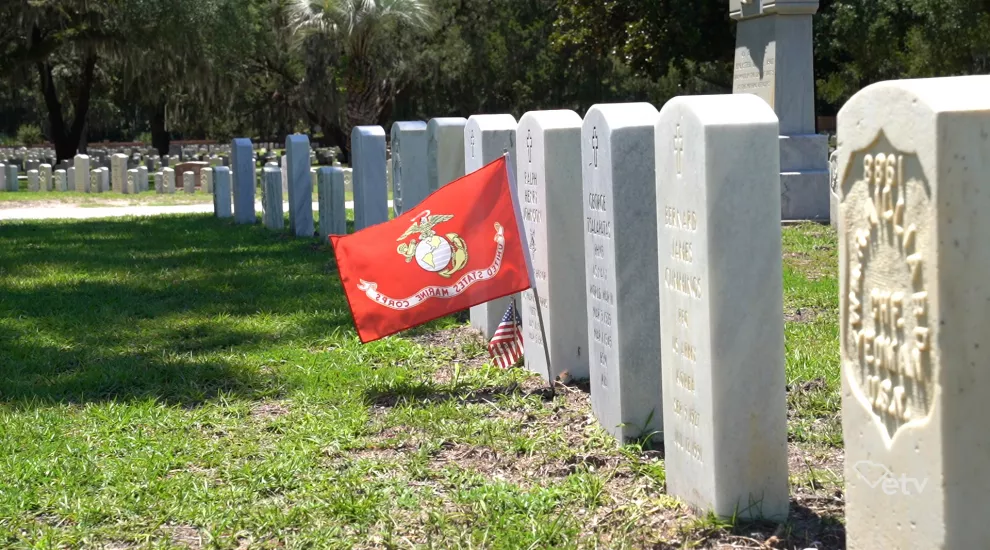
(333, 216)
(444, 151)
(370, 187)
(169, 177)
(13, 183)
(774, 61)
(410, 177)
(189, 182)
(300, 185)
(485, 139)
(104, 180)
(131, 185)
(206, 180)
(915, 313)
(118, 167)
(242, 159)
(548, 179)
(272, 215)
(45, 173)
(70, 178)
(721, 304)
(96, 180)
(221, 193)
(196, 167)
(81, 167)
(60, 179)
(34, 181)
(142, 178)
(620, 251)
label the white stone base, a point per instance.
(804, 195)
(804, 178)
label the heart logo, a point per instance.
(871, 472)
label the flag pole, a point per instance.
(520, 227)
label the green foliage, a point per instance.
(266, 68)
(29, 135)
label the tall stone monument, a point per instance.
(774, 61)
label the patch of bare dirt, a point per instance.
(184, 536)
(802, 315)
(268, 410)
(11, 205)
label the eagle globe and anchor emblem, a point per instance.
(440, 254)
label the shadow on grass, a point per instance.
(805, 527)
(178, 309)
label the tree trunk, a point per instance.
(340, 139)
(160, 138)
(67, 139)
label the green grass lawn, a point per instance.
(181, 382)
(25, 198)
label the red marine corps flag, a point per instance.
(458, 248)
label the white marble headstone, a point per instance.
(721, 304)
(548, 179)
(81, 164)
(410, 176)
(189, 182)
(369, 181)
(620, 250)
(272, 215)
(34, 181)
(485, 139)
(333, 215)
(118, 175)
(445, 151)
(45, 173)
(60, 179)
(169, 176)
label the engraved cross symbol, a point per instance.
(472, 143)
(594, 143)
(529, 144)
(678, 150)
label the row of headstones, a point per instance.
(591, 196)
(657, 256)
(296, 178)
(659, 277)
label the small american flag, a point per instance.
(506, 346)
